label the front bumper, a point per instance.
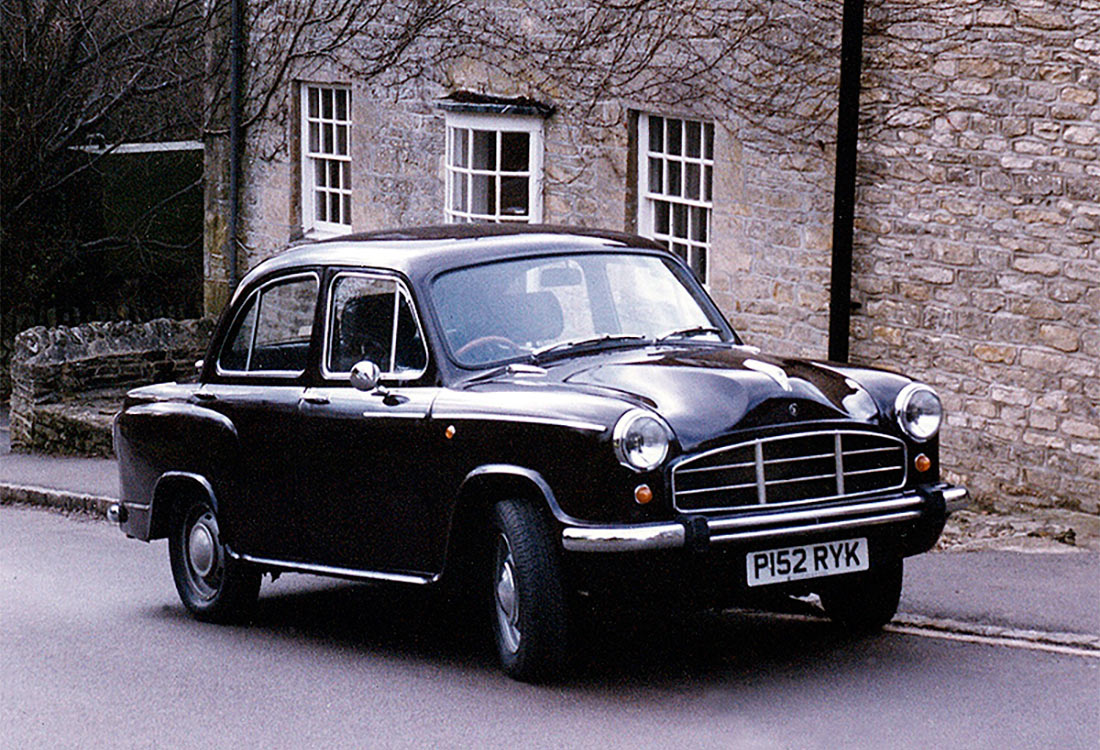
(926, 503)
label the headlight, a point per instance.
(919, 411)
(641, 440)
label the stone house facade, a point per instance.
(977, 244)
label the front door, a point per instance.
(366, 475)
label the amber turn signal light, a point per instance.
(642, 494)
(922, 462)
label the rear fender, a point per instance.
(168, 446)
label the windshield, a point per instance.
(537, 307)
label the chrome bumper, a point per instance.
(749, 527)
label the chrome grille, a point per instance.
(787, 469)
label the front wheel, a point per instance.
(530, 619)
(866, 601)
(211, 584)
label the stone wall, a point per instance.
(67, 383)
(978, 241)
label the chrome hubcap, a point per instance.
(507, 600)
(200, 548)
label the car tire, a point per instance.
(212, 585)
(866, 601)
(529, 612)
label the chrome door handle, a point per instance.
(316, 400)
(206, 396)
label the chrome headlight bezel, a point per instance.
(908, 424)
(628, 428)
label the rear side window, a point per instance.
(272, 331)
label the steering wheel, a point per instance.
(503, 342)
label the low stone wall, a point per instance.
(67, 383)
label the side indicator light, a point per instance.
(642, 494)
(922, 462)
(449, 432)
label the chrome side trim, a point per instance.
(524, 419)
(623, 538)
(956, 498)
(338, 572)
(854, 523)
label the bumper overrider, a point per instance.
(932, 503)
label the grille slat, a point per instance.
(790, 469)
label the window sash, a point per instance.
(326, 144)
(468, 182)
(676, 186)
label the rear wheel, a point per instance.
(866, 601)
(211, 584)
(530, 619)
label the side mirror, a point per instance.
(365, 376)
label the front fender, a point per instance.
(162, 439)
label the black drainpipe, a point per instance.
(844, 191)
(235, 56)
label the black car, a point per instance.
(527, 416)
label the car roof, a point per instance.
(420, 251)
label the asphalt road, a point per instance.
(96, 651)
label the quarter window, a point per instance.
(326, 158)
(494, 168)
(371, 318)
(676, 177)
(272, 334)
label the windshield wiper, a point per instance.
(590, 341)
(688, 332)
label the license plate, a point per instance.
(807, 561)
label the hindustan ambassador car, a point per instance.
(529, 417)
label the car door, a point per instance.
(366, 471)
(260, 378)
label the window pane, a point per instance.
(334, 174)
(235, 355)
(485, 149)
(346, 201)
(460, 144)
(514, 150)
(698, 224)
(411, 354)
(345, 183)
(691, 180)
(660, 217)
(342, 140)
(679, 220)
(655, 185)
(313, 106)
(699, 263)
(319, 173)
(680, 250)
(708, 178)
(483, 198)
(674, 137)
(341, 104)
(674, 178)
(458, 191)
(708, 133)
(656, 134)
(326, 103)
(362, 327)
(322, 206)
(692, 131)
(326, 138)
(514, 196)
(314, 137)
(284, 326)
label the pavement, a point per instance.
(993, 574)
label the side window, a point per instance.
(273, 334)
(371, 318)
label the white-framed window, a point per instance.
(675, 186)
(326, 158)
(494, 167)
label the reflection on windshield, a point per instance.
(514, 309)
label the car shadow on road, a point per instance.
(640, 647)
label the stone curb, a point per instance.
(13, 494)
(947, 625)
